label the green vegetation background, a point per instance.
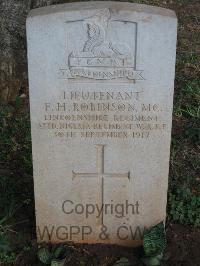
(16, 182)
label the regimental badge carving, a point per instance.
(98, 56)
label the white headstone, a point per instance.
(101, 78)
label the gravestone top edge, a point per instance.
(121, 6)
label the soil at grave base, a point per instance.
(182, 250)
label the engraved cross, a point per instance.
(100, 173)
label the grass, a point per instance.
(16, 183)
(184, 185)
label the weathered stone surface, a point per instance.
(101, 80)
